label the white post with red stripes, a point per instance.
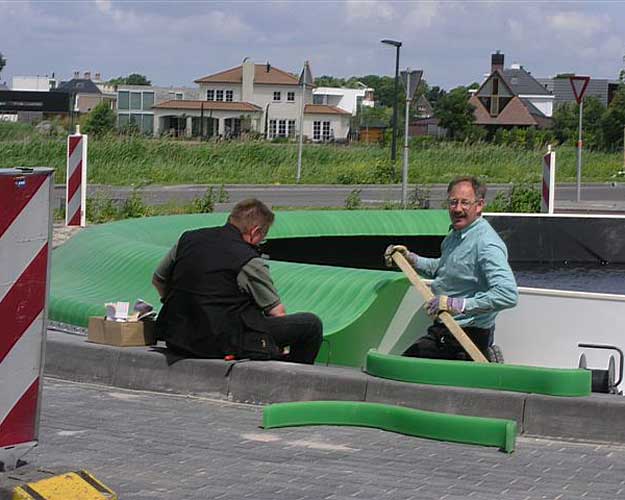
(76, 180)
(25, 242)
(549, 182)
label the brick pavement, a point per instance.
(155, 446)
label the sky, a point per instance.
(174, 43)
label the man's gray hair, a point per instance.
(479, 188)
(249, 213)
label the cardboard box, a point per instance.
(122, 334)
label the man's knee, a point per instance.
(315, 326)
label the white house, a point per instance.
(347, 99)
(251, 98)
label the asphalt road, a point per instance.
(333, 195)
(155, 446)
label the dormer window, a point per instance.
(229, 95)
(210, 95)
(494, 98)
(219, 95)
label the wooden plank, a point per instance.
(446, 318)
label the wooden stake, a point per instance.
(447, 319)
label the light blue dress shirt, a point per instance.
(474, 266)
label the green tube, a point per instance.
(528, 379)
(425, 424)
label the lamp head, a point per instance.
(394, 43)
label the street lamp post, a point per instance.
(397, 45)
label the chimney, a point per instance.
(98, 77)
(268, 67)
(247, 79)
(87, 75)
(496, 62)
(76, 74)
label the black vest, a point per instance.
(203, 313)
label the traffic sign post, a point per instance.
(579, 85)
(411, 81)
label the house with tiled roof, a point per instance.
(257, 98)
(511, 97)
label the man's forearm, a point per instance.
(277, 310)
(160, 286)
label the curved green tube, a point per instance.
(529, 379)
(425, 424)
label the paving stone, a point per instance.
(155, 446)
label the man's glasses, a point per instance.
(462, 203)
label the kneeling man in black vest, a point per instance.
(219, 299)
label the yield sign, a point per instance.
(579, 84)
(415, 78)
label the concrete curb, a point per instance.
(594, 418)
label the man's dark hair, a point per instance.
(479, 188)
(249, 213)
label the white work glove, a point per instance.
(440, 303)
(391, 249)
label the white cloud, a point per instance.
(578, 24)
(421, 15)
(373, 10)
(103, 5)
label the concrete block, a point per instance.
(154, 369)
(71, 357)
(262, 382)
(598, 417)
(456, 400)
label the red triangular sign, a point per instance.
(579, 84)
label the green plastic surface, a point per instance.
(115, 261)
(529, 379)
(432, 425)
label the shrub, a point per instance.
(353, 200)
(522, 197)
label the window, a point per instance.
(494, 98)
(210, 95)
(276, 96)
(317, 99)
(326, 131)
(148, 100)
(229, 95)
(219, 95)
(135, 100)
(282, 128)
(290, 96)
(291, 128)
(122, 120)
(123, 100)
(179, 96)
(316, 131)
(272, 129)
(148, 124)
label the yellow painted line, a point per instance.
(80, 485)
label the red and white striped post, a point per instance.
(76, 180)
(549, 182)
(25, 241)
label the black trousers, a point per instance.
(302, 332)
(439, 343)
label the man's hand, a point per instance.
(277, 310)
(390, 250)
(440, 303)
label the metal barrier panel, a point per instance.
(25, 245)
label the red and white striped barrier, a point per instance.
(549, 182)
(76, 180)
(25, 233)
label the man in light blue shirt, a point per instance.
(472, 279)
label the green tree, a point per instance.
(3, 62)
(456, 113)
(566, 122)
(101, 119)
(132, 79)
(613, 121)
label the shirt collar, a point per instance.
(461, 233)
